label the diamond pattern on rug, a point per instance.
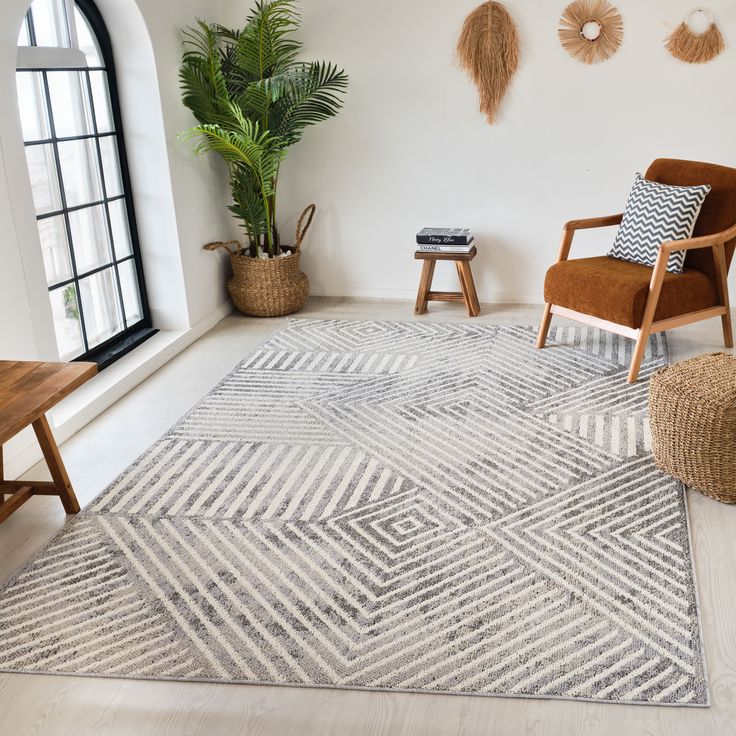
(429, 507)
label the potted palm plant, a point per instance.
(253, 99)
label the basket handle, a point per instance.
(301, 229)
(217, 245)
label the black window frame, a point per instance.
(132, 335)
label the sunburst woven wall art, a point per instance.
(692, 45)
(488, 50)
(591, 30)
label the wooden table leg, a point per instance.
(468, 287)
(56, 465)
(425, 284)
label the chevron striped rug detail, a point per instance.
(389, 506)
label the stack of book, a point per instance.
(445, 240)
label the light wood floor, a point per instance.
(77, 706)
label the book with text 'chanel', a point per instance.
(447, 248)
(444, 236)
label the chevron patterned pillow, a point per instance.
(656, 213)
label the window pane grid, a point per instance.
(65, 212)
(65, 69)
(86, 205)
(91, 272)
(91, 216)
(31, 28)
(104, 197)
(63, 139)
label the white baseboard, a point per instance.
(90, 400)
(338, 292)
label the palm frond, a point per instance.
(240, 144)
(311, 94)
(254, 101)
(248, 204)
(204, 89)
(265, 46)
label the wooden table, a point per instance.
(27, 391)
(468, 293)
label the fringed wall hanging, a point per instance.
(591, 30)
(696, 47)
(488, 50)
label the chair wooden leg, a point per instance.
(655, 289)
(636, 359)
(719, 258)
(56, 465)
(544, 326)
(425, 284)
(727, 330)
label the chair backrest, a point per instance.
(719, 209)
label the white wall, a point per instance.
(410, 148)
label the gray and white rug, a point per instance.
(383, 505)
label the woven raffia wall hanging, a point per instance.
(688, 45)
(488, 50)
(591, 30)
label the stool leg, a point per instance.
(463, 286)
(468, 286)
(425, 284)
(56, 465)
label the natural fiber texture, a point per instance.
(580, 12)
(695, 48)
(488, 50)
(268, 287)
(692, 410)
(393, 506)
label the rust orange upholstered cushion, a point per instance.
(617, 291)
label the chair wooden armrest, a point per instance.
(570, 228)
(704, 241)
(593, 222)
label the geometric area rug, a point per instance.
(387, 506)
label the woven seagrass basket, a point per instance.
(268, 287)
(692, 415)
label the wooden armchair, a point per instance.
(635, 300)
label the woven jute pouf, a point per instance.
(692, 415)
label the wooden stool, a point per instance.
(468, 293)
(27, 391)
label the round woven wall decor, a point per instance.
(696, 47)
(591, 30)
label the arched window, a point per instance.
(67, 97)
